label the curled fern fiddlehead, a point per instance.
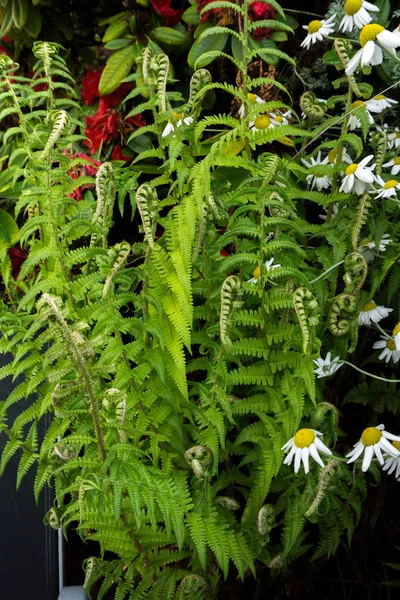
(161, 67)
(342, 48)
(230, 292)
(60, 120)
(356, 270)
(360, 220)
(265, 519)
(123, 249)
(200, 458)
(307, 311)
(324, 480)
(343, 312)
(379, 143)
(105, 189)
(312, 107)
(147, 202)
(199, 80)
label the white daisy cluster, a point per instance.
(374, 441)
(269, 265)
(373, 37)
(176, 122)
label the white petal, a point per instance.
(356, 452)
(321, 446)
(388, 39)
(353, 63)
(289, 458)
(315, 455)
(368, 454)
(304, 457)
(378, 453)
(367, 52)
(297, 458)
(364, 174)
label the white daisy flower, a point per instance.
(393, 137)
(373, 440)
(269, 265)
(261, 122)
(317, 30)
(379, 103)
(373, 38)
(354, 122)
(170, 127)
(372, 313)
(356, 14)
(388, 347)
(393, 464)
(396, 336)
(387, 189)
(301, 446)
(281, 118)
(358, 176)
(332, 156)
(317, 178)
(395, 164)
(368, 248)
(326, 366)
(253, 99)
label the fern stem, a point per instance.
(327, 271)
(82, 369)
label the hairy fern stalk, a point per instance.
(175, 368)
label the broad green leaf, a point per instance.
(117, 68)
(33, 23)
(115, 30)
(265, 43)
(331, 58)
(191, 16)
(384, 11)
(118, 43)
(169, 36)
(19, 12)
(209, 43)
(9, 231)
(279, 36)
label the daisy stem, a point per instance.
(381, 330)
(370, 374)
(327, 271)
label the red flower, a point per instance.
(260, 11)
(224, 252)
(17, 257)
(90, 90)
(107, 125)
(170, 15)
(117, 154)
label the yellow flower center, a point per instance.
(396, 445)
(396, 330)
(379, 97)
(262, 122)
(371, 436)
(351, 7)
(279, 119)
(369, 306)
(177, 116)
(332, 155)
(397, 160)
(304, 438)
(351, 169)
(251, 98)
(397, 134)
(392, 183)
(233, 148)
(369, 32)
(314, 26)
(257, 272)
(358, 103)
(391, 345)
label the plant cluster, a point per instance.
(185, 366)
